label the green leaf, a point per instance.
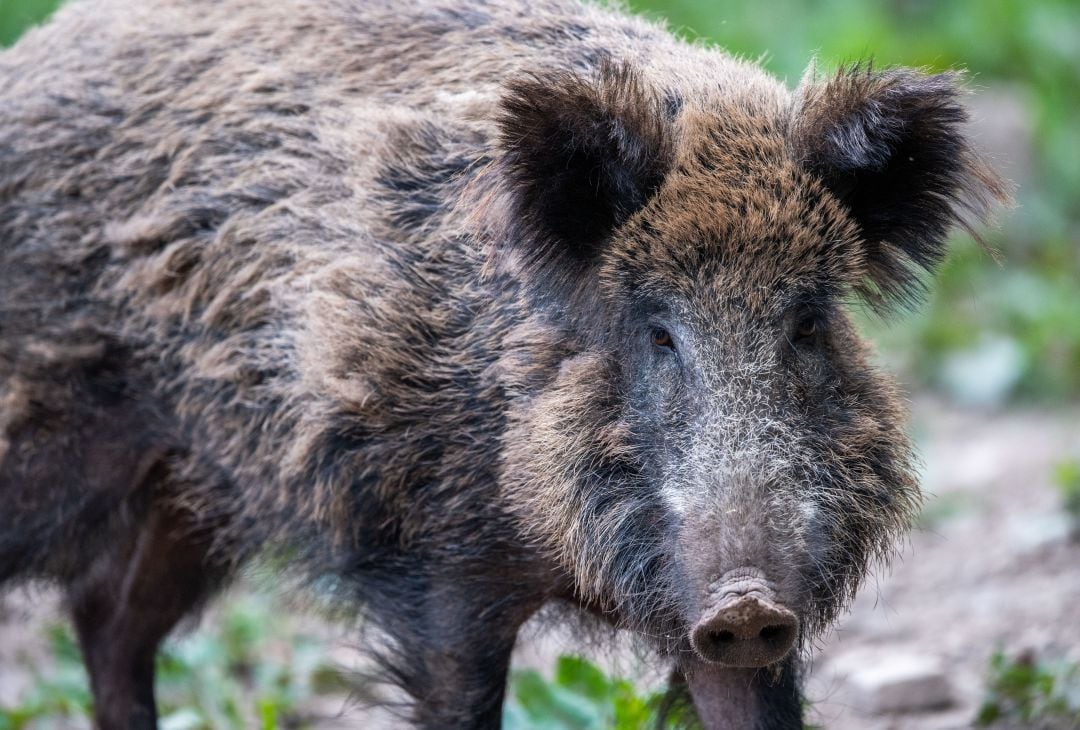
(547, 705)
(268, 714)
(583, 677)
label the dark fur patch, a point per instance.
(891, 146)
(673, 104)
(581, 156)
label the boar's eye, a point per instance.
(662, 338)
(806, 328)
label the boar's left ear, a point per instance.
(891, 146)
(579, 156)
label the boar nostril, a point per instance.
(769, 632)
(748, 631)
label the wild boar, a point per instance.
(471, 306)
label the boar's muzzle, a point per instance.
(743, 624)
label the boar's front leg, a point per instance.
(127, 602)
(453, 637)
(737, 699)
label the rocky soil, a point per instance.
(992, 566)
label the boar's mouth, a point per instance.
(740, 662)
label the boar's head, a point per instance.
(719, 463)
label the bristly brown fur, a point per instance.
(892, 145)
(378, 290)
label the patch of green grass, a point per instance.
(1067, 480)
(1027, 692)
(580, 696)
(989, 332)
(61, 692)
(17, 15)
(251, 668)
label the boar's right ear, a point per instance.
(891, 146)
(579, 156)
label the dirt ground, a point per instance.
(992, 566)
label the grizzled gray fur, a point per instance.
(473, 307)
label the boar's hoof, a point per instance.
(747, 631)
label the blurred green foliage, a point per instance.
(17, 15)
(581, 697)
(252, 668)
(1027, 692)
(988, 332)
(1067, 480)
(60, 692)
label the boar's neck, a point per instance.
(740, 699)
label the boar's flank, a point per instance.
(472, 306)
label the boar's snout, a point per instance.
(743, 624)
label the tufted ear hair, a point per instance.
(579, 156)
(891, 145)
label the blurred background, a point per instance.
(979, 622)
